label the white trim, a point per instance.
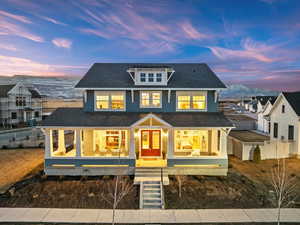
(149, 116)
(151, 106)
(132, 96)
(109, 93)
(277, 102)
(169, 95)
(170, 75)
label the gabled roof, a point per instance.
(79, 118)
(264, 99)
(4, 89)
(35, 93)
(115, 75)
(294, 100)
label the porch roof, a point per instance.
(76, 117)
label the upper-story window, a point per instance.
(191, 101)
(158, 77)
(283, 109)
(150, 99)
(143, 77)
(151, 75)
(110, 100)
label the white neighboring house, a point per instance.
(19, 104)
(263, 110)
(285, 122)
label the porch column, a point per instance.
(78, 142)
(131, 146)
(223, 143)
(170, 143)
(48, 143)
(61, 141)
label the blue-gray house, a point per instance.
(140, 115)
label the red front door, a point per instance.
(150, 143)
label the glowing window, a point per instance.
(110, 100)
(102, 101)
(191, 100)
(150, 99)
(117, 101)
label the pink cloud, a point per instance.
(224, 53)
(8, 47)
(22, 19)
(62, 42)
(8, 28)
(51, 20)
(190, 31)
(15, 65)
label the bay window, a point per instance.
(114, 100)
(150, 99)
(187, 100)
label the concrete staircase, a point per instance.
(151, 174)
(151, 195)
(151, 181)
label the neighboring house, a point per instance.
(285, 122)
(242, 122)
(263, 120)
(140, 115)
(241, 143)
(19, 104)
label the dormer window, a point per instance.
(158, 77)
(150, 76)
(143, 77)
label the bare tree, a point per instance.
(116, 192)
(181, 180)
(284, 186)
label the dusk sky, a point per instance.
(251, 42)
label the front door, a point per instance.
(150, 143)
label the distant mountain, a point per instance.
(63, 87)
(240, 90)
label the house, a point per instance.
(241, 143)
(19, 104)
(263, 121)
(285, 122)
(242, 122)
(137, 116)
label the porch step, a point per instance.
(151, 196)
(151, 175)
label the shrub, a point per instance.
(256, 155)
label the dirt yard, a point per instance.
(68, 192)
(16, 164)
(246, 186)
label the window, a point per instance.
(13, 115)
(282, 109)
(110, 100)
(151, 77)
(158, 77)
(291, 133)
(36, 114)
(193, 143)
(143, 77)
(191, 101)
(108, 143)
(275, 130)
(150, 99)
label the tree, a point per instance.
(181, 180)
(256, 154)
(116, 192)
(284, 186)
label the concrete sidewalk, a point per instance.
(55, 215)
